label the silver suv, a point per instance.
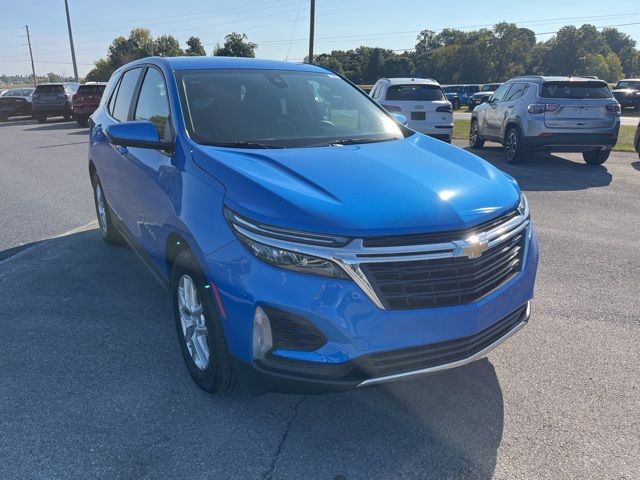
(562, 114)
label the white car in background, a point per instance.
(420, 100)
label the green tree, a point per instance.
(195, 48)
(101, 72)
(511, 51)
(53, 77)
(236, 45)
(615, 67)
(167, 46)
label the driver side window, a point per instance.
(500, 94)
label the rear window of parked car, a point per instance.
(49, 89)
(91, 89)
(415, 93)
(575, 90)
(627, 84)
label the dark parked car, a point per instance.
(483, 95)
(86, 100)
(460, 95)
(53, 100)
(15, 102)
(627, 93)
(636, 140)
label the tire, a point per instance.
(67, 117)
(108, 230)
(82, 121)
(215, 375)
(474, 135)
(596, 157)
(456, 104)
(513, 148)
(4, 118)
(41, 118)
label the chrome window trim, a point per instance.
(354, 253)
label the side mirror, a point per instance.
(140, 133)
(401, 119)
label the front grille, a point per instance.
(417, 358)
(445, 281)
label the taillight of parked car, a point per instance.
(445, 108)
(542, 107)
(614, 108)
(392, 108)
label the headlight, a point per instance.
(523, 206)
(268, 250)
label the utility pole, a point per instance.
(73, 51)
(312, 28)
(33, 68)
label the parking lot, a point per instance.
(92, 384)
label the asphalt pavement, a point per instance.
(92, 384)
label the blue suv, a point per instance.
(310, 242)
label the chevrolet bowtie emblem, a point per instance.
(474, 246)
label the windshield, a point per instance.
(575, 90)
(452, 89)
(492, 87)
(415, 92)
(279, 108)
(627, 84)
(49, 89)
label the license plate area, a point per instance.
(418, 116)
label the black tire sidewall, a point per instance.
(216, 378)
(479, 143)
(519, 154)
(112, 235)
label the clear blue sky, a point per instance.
(340, 24)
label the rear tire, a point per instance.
(4, 118)
(513, 148)
(474, 135)
(108, 230)
(82, 121)
(596, 157)
(41, 118)
(196, 316)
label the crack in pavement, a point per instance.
(268, 474)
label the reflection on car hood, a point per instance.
(413, 185)
(624, 90)
(483, 94)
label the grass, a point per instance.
(625, 136)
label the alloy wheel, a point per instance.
(511, 144)
(102, 210)
(194, 327)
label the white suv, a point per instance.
(420, 100)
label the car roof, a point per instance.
(207, 63)
(406, 80)
(543, 78)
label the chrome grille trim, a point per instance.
(354, 253)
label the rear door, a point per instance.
(577, 105)
(419, 103)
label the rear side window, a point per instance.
(49, 89)
(153, 104)
(517, 91)
(576, 90)
(119, 107)
(501, 93)
(415, 93)
(91, 89)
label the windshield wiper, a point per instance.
(242, 144)
(351, 141)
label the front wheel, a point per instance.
(202, 341)
(513, 148)
(474, 135)
(108, 230)
(596, 157)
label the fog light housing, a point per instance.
(262, 339)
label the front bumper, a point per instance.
(356, 330)
(289, 376)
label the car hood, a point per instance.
(414, 185)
